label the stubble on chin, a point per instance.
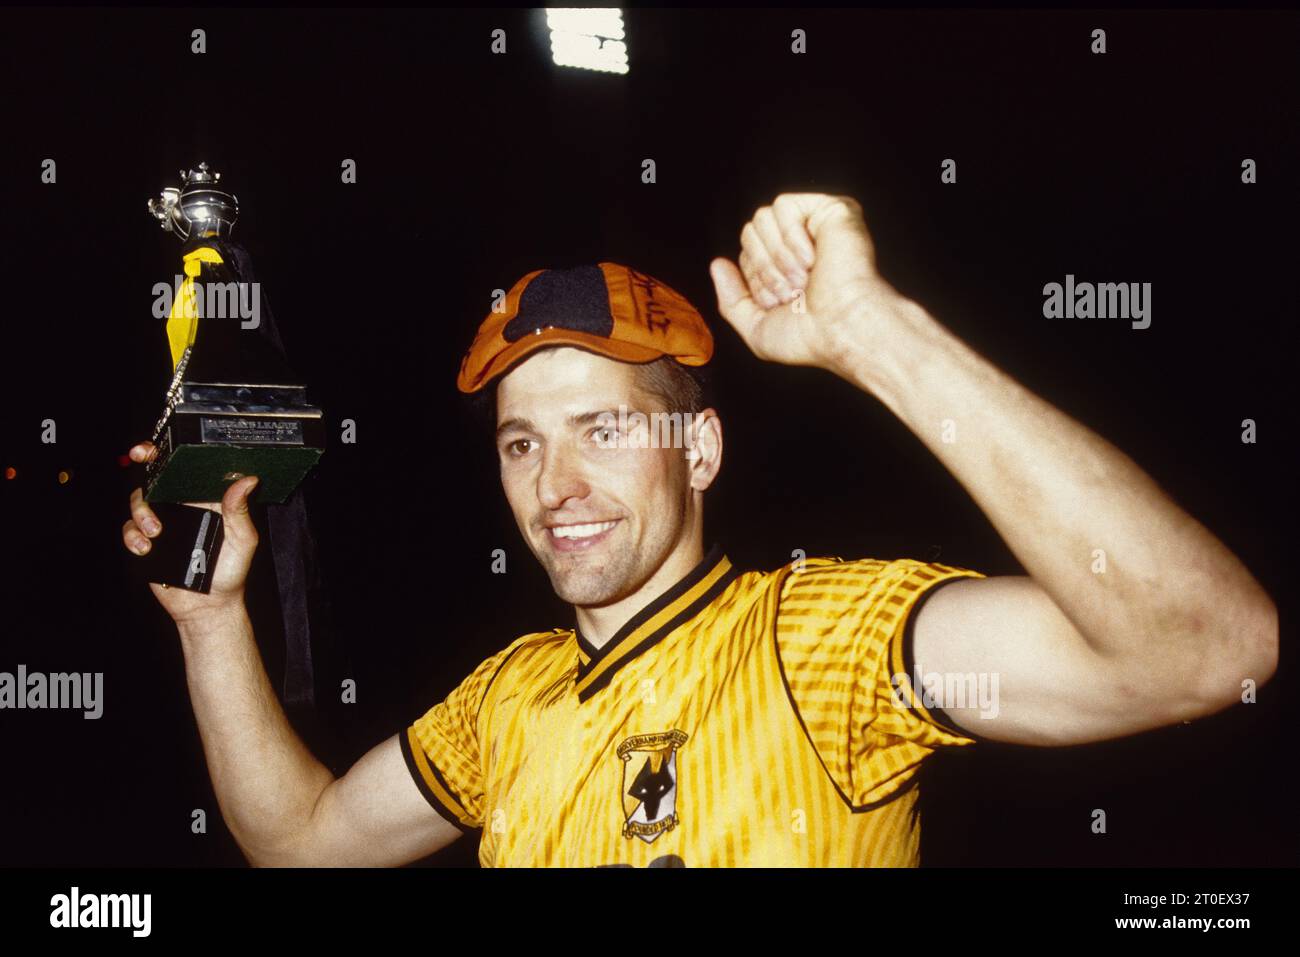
(580, 582)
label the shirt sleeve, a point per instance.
(442, 750)
(844, 631)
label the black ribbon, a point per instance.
(293, 547)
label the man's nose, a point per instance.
(561, 478)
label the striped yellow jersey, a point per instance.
(742, 718)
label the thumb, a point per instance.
(734, 301)
(238, 524)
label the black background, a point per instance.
(474, 169)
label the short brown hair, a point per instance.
(681, 387)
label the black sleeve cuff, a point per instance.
(430, 781)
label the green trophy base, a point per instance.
(217, 433)
(202, 473)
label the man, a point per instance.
(699, 715)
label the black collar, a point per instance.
(672, 609)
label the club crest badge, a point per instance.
(650, 783)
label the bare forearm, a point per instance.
(1064, 499)
(266, 780)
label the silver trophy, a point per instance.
(234, 406)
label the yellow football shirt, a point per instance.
(740, 719)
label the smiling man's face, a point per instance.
(600, 516)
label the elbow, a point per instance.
(297, 845)
(1256, 643)
(1268, 640)
(282, 850)
(1241, 657)
(281, 857)
(259, 856)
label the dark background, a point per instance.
(474, 169)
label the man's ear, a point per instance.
(704, 448)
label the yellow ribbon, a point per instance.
(183, 322)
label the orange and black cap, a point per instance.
(606, 308)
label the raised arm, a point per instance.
(283, 807)
(1171, 628)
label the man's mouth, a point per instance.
(573, 538)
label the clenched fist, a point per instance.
(807, 284)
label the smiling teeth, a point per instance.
(581, 531)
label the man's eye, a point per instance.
(514, 447)
(605, 435)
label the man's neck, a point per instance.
(599, 625)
